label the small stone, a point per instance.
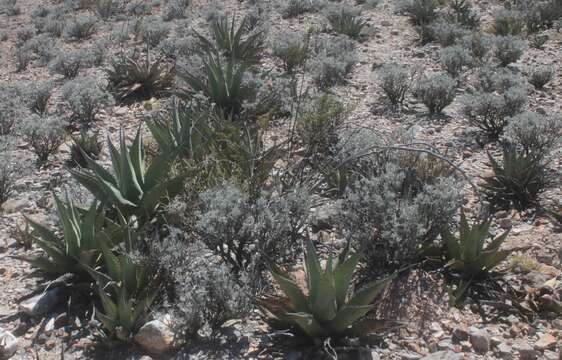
(480, 340)
(8, 344)
(545, 342)
(445, 344)
(551, 355)
(14, 205)
(42, 303)
(49, 326)
(460, 334)
(505, 351)
(442, 355)
(155, 336)
(505, 223)
(526, 352)
(557, 324)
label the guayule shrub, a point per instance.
(247, 232)
(508, 22)
(447, 33)
(391, 214)
(454, 59)
(38, 96)
(85, 99)
(44, 47)
(291, 48)
(53, 23)
(436, 92)
(478, 45)
(107, 8)
(139, 8)
(333, 60)
(508, 49)
(153, 30)
(84, 144)
(541, 75)
(10, 172)
(95, 54)
(395, 80)
(203, 290)
(491, 78)
(534, 133)
(11, 108)
(44, 134)
(81, 27)
(67, 64)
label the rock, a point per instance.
(14, 205)
(551, 355)
(557, 324)
(545, 342)
(8, 344)
(445, 344)
(49, 326)
(480, 340)
(323, 217)
(505, 351)
(443, 355)
(526, 352)
(155, 337)
(42, 303)
(460, 334)
(505, 223)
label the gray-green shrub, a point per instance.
(454, 59)
(38, 96)
(44, 134)
(85, 99)
(81, 27)
(508, 22)
(333, 60)
(508, 49)
(447, 33)
(345, 19)
(396, 81)
(291, 48)
(540, 76)
(436, 92)
(176, 9)
(479, 46)
(67, 64)
(534, 133)
(153, 30)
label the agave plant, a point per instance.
(328, 309)
(233, 43)
(139, 77)
(83, 235)
(134, 189)
(347, 23)
(469, 254)
(519, 178)
(222, 83)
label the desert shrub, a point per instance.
(292, 8)
(10, 7)
(176, 9)
(291, 48)
(3, 36)
(508, 22)
(368, 4)
(85, 144)
(447, 33)
(421, 12)
(436, 92)
(25, 33)
(153, 30)
(213, 12)
(67, 64)
(85, 99)
(11, 108)
(257, 16)
(491, 78)
(44, 47)
(95, 54)
(479, 45)
(537, 41)
(178, 47)
(333, 60)
(534, 133)
(454, 59)
(540, 76)
(396, 81)
(139, 8)
(38, 96)
(44, 134)
(53, 24)
(138, 76)
(463, 14)
(106, 8)
(23, 55)
(10, 170)
(318, 127)
(391, 214)
(81, 27)
(508, 49)
(203, 290)
(345, 19)
(245, 231)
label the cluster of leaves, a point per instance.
(345, 20)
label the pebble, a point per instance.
(505, 351)
(460, 334)
(443, 355)
(42, 303)
(526, 352)
(155, 337)
(545, 342)
(8, 344)
(480, 340)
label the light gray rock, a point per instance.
(15, 205)
(8, 344)
(155, 337)
(526, 351)
(480, 340)
(460, 334)
(42, 303)
(505, 351)
(443, 355)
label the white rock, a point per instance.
(8, 344)
(155, 337)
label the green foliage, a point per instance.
(292, 49)
(292, 8)
(436, 92)
(345, 20)
(106, 8)
(479, 45)
(469, 254)
(85, 145)
(329, 309)
(508, 22)
(134, 188)
(138, 76)
(234, 43)
(84, 233)
(462, 13)
(540, 76)
(535, 133)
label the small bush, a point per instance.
(178, 47)
(333, 60)
(95, 54)
(537, 41)
(368, 4)
(106, 8)
(44, 134)
(344, 19)
(85, 144)
(25, 33)
(447, 33)
(176, 9)
(23, 56)
(292, 49)
(38, 96)
(454, 59)
(463, 14)
(479, 45)
(85, 98)
(247, 232)
(67, 65)
(292, 8)
(153, 30)
(10, 170)
(421, 12)
(534, 133)
(81, 27)
(491, 78)
(54, 23)
(540, 76)
(11, 108)
(508, 49)
(396, 81)
(139, 8)
(44, 47)
(10, 7)
(436, 92)
(508, 22)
